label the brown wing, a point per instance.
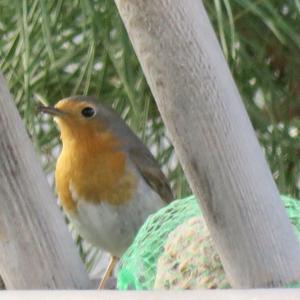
(151, 172)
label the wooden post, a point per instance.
(36, 249)
(214, 140)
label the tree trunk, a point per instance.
(36, 249)
(214, 140)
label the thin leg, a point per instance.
(113, 261)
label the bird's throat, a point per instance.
(95, 170)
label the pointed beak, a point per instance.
(50, 110)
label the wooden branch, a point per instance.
(36, 249)
(214, 140)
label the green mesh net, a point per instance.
(173, 249)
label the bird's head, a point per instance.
(79, 118)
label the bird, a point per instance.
(107, 180)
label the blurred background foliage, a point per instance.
(53, 49)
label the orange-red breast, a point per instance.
(107, 181)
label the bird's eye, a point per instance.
(88, 112)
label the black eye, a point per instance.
(88, 112)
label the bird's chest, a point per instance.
(113, 227)
(104, 196)
(96, 178)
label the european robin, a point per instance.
(107, 181)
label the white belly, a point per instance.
(113, 227)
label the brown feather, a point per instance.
(151, 172)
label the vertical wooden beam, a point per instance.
(36, 249)
(214, 139)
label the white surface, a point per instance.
(274, 294)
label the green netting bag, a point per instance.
(173, 249)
